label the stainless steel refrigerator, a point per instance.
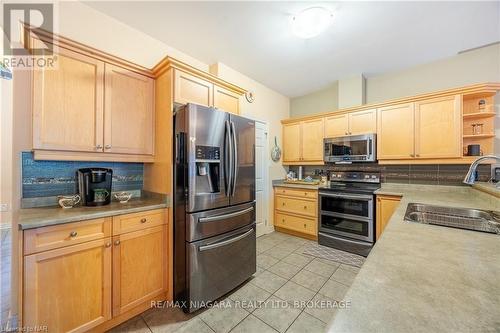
(214, 204)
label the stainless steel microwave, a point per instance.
(352, 148)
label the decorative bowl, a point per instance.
(123, 197)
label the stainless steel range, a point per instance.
(347, 211)
(214, 204)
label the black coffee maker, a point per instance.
(94, 186)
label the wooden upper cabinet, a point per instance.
(438, 127)
(363, 122)
(68, 289)
(396, 129)
(192, 89)
(312, 140)
(226, 100)
(139, 262)
(129, 112)
(68, 103)
(291, 142)
(337, 125)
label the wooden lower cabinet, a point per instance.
(96, 284)
(386, 205)
(138, 267)
(68, 289)
(296, 211)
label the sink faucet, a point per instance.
(470, 177)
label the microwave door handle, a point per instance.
(370, 152)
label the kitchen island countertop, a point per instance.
(425, 278)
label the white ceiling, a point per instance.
(366, 37)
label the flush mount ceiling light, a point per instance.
(311, 22)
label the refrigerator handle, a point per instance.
(235, 159)
(228, 153)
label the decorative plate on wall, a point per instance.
(250, 96)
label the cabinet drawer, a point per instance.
(138, 221)
(298, 206)
(296, 223)
(53, 237)
(297, 192)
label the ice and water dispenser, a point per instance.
(208, 167)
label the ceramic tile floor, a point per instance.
(284, 277)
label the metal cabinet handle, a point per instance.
(107, 146)
(98, 147)
(143, 220)
(73, 234)
(117, 242)
(108, 244)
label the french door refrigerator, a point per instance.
(214, 204)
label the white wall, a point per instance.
(477, 66)
(323, 100)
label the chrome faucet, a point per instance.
(470, 177)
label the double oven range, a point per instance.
(347, 211)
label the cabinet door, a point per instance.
(128, 112)
(68, 289)
(336, 126)
(226, 100)
(386, 205)
(312, 140)
(395, 126)
(291, 142)
(363, 122)
(139, 265)
(191, 89)
(68, 103)
(438, 127)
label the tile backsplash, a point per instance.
(52, 178)
(436, 174)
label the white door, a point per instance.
(261, 185)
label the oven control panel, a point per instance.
(355, 176)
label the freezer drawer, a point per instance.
(218, 221)
(219, 264)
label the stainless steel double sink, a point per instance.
(462, 218)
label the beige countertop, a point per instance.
(489, 188)
(425, 278)
(30, 218)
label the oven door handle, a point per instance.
(348, 196)
(225, 216)
(226, 242)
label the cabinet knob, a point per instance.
(107, 146)
(283, 220)
(117, 242)
(108, 244)
(283, 204)
(98, 147)
(412, 155)
(305, 207)
(73, 234)
(418, 155)
(346, 133)
(305, 193)
(143, 220)
(305, 225)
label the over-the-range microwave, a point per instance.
(352, 148)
